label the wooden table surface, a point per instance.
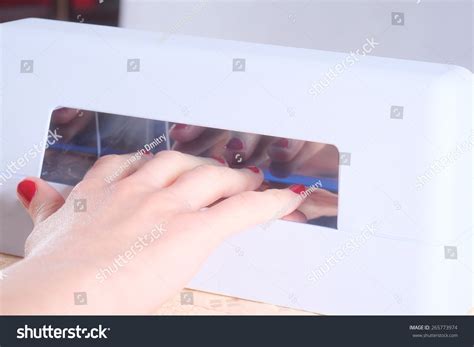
(202, 303)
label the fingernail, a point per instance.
(253, 169)
(284, 143)
(235, 144)
(26, 190)
(180, 126)
(219, 159)
(298, 188)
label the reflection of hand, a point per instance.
(285, 156)
(200, 141)
(151, 218)
(303, 158)
(319, 203)
(70, 121)
(237, 149)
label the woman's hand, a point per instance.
(133, 242)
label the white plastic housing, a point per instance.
(399, 268)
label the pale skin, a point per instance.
(197, 202)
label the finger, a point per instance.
(64, 115)
(296, 216)
(250, 208)
(240, 147)
(203, 143)
(39, 198)
(312, 159)
(260, 156)
(320, 203)
(70, 121)
(112, 168)
(209, 183)
(284, 150)
(185, 133)
(165, 168)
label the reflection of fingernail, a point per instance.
(253, 169)
(179, 126)
(284, 143)
(235, 144)
(297, 188)
(219, 159)
(26, 190)
(280, 170)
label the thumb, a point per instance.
(39, 198)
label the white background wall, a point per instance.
(435, 31)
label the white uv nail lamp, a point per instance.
(403, 129)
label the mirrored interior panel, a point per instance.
(77, 138)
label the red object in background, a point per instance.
(76, 4)
(18, 9)
(84, 4)
(103, 12)
(25, 2)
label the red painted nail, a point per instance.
(235, 144)
(298, 188)
(284, 143)
(253, 169)
(179, 126)
(219, 159)
(26, 190)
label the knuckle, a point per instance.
(169, 155)
(85, 186)
(152, 205)
(107, 159)
(248, 197)
(122, 187)
(211, 171)
(275, 197)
